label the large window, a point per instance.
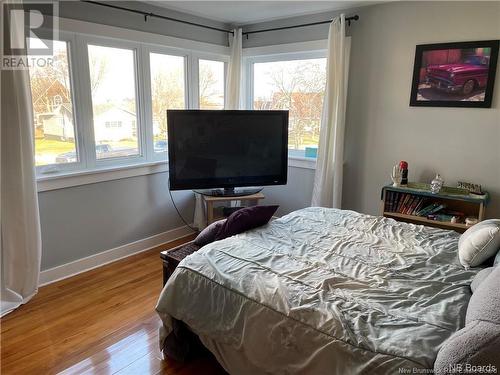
(51, 92)
(114, 103)
(296, 85)
(167, 92)
(211, 84)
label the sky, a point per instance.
(263, 87)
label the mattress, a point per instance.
(322, 291)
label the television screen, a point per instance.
(226, 149)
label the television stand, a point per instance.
(215, 212)
(229, 192)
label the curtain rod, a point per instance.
(154, 15)
(348, 19)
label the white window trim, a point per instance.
(280, 52)
(197, 56)
(73, 65)
(86, 177)
(89, 170)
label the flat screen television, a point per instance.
(223, 150)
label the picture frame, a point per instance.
(458, 74)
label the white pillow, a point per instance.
(479, 242)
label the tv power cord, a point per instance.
(178, 213)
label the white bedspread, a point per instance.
(322, 291)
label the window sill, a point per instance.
(298, 162)
(66, 180)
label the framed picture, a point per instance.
(454, 74)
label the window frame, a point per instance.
(289, 53)
(93, 162)
(73, 66)
(197, 56)
(148, 92)
(78, 35)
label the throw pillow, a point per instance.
(479, 242)
(245, 219)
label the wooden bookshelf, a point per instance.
(454, 199)
(460, 227)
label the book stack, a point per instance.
(403, 203)
(409, 204)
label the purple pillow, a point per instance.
(208, 234)
(245, 219)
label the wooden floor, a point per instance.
(99, 322)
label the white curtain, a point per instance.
(327, 189)
(232, 100)
(20, 249)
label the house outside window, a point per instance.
(294, 84)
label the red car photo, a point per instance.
(462, 78)
(454, 74)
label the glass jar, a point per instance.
(437, 184)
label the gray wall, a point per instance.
(84, 220)
(295, 194)
(113, 17)
(303, 34)
(459, 143)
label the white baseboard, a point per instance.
(97, 260)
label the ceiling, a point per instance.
(245, 12)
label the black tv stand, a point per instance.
(229, 192)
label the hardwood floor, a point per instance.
(99, 322)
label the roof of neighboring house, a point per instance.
(53, 85)
(58, 110)
(117, 108)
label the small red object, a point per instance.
(404, 169)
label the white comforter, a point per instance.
(322, 291)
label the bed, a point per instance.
(322, 291)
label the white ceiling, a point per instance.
(244, 12)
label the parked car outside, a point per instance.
(161, 146)
(462, 78)
(70, 157)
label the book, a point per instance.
(401, 202)
(413, 205)
(436, 209)
(392, 201)
(387, 202)
(396, 203)
(420, 203)
(408, 204)
(405, 202)
(426, 210)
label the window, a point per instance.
(102, 107)
(296, 85)
(211, 84)
(51, 94)
(113, 124)
(113, 91)
(168, 91)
